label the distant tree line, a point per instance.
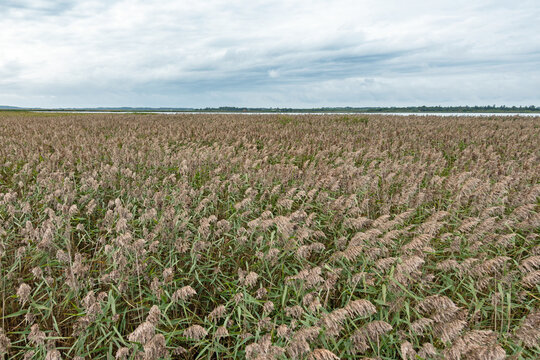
(347, 109)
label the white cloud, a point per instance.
(273, 73)
(268, 53)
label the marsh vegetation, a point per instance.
(269, 237)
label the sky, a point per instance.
(256, 53)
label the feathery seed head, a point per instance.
(195, 332)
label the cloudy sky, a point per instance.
(310, 53)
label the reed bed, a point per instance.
(144, 236)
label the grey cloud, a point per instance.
(268, 53)
(25, 8)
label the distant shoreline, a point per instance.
(345, 110)
(343, 114)
(277, 110)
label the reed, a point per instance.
(230, 236)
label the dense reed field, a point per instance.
(132, 236)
